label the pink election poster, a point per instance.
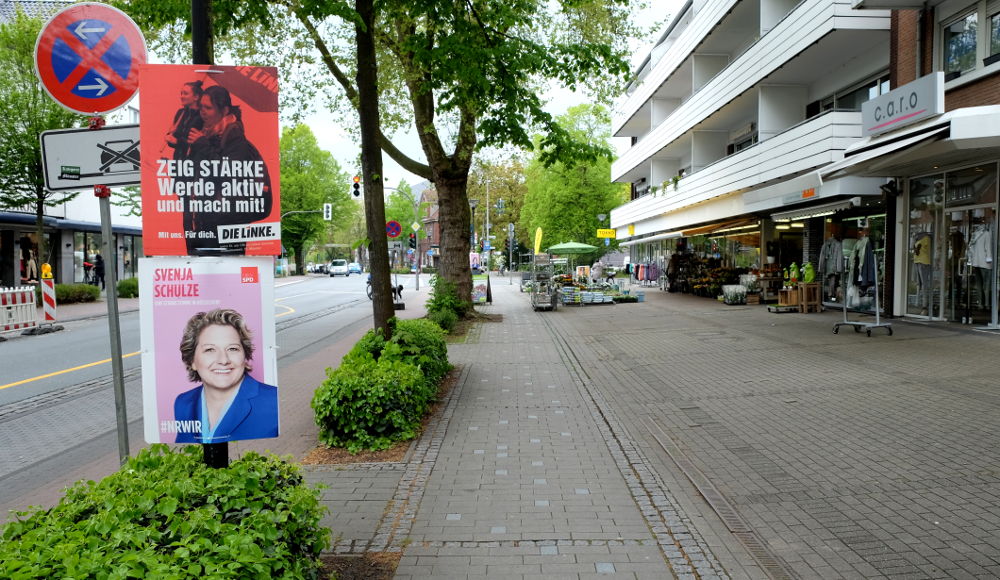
(209, 372)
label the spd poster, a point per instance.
(209, 170)
(209, 369)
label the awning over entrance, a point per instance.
(711, 228)
(656, 238)
(882, 152)
(817, 210)
(961, 137)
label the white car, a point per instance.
(339, 268)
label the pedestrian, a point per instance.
(99, 271)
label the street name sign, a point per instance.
(87, 58)
(81, 158)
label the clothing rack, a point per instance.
(857, 324)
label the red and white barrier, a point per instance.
(17, 309)
(49, 300)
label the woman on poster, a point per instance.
(229, 405)
(186, 119)
(222, 139)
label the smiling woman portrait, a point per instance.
(229, 405)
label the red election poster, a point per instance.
(210, 181)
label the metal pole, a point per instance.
(111, 290)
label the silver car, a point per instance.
(339, 268)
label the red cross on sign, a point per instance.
(87, 57)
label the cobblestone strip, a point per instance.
(688, 554)
(402, 509)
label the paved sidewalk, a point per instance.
(681, 437)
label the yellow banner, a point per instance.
(607, 233)
(538, 240)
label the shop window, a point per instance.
(973, 185)
(994, 39)
(959, 39)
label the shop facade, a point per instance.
(731, 118)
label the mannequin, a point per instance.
(980, 256)
(922, 265)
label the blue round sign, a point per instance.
(393, 229)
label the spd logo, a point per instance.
(248, 275)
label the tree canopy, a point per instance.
(463, 75)
(565, 200)
(310, 177)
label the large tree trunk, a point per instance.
(456, 222)
(300, 259)
(371, 167)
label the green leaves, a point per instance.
(167, 515)
(381, 390)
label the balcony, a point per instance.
(802, 148)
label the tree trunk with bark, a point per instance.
(456, 224)
(371, 167)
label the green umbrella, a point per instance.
(571, 248)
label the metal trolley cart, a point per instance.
(858, 325)
(544, 294)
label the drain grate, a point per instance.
(770, 563)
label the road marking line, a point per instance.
(107, 360)
(64, 371)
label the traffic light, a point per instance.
(356, 192)
(413, 241)
(328, 211)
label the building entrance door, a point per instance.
(970, 278)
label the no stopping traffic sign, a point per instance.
(87, 57)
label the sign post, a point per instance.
(87, 58)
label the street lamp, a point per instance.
(472, 205)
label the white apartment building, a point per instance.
(730, 117)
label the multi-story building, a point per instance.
(731, 117)
(936, 137)
(72, 229)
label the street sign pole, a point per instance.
(103, 194)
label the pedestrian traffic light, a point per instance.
(413, 241)
(357, 186)
(327, 211)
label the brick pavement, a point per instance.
(681, 437)
(693, 439)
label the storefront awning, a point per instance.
(817, 210)
(701, 230)
(882, 152)
(656, 238)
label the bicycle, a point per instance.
(368, 289)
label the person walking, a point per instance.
(99, 271)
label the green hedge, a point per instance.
(71, 293)
(382, 389)
(167, 515)
(128, 288)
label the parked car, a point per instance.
(354, 268)
(339, 268)
(321, 268)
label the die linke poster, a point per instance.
(209, 364)
(209, 149)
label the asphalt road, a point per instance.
(57, 409)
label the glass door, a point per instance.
(926, 256)
(969, 271)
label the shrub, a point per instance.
(417, 342)
(444, 296)
(446, 319)
(371, 404)
(71, 293)
(128, 288)
(166, 514)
